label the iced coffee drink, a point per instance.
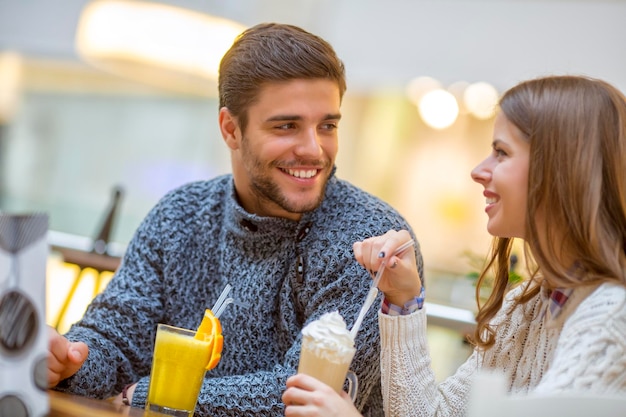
(327, 351)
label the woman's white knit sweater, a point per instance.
(580, 349)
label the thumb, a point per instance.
(77, 352)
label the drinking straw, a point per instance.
(222, 302)
(371, 295)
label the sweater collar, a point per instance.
(253, 226)
(562, 302)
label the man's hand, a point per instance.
(64, 357)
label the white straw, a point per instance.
(221, 298)
(373, 292)
(222, 302)
(223, 306)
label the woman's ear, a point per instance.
(229, 128)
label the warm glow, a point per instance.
(10, 84)
(457, 89)
(69, 291)
(481, 100)
(155, 43)
(419, 87)
(438, 109)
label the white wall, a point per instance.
(386, 43)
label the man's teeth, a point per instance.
(491, 200)
(302, 173)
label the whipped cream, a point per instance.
(329, 338)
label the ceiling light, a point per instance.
(166, 46)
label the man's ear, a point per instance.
(229, 128)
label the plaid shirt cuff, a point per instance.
(411, 306)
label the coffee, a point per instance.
(327, 350)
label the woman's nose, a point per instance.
(481, 173)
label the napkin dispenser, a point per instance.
(23, 330)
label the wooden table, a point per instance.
(66, 405)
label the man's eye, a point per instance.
(329, 126)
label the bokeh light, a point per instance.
(481, 99)
(438, 109)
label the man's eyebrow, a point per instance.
(335, 116)
(284, 117)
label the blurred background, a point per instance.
(120, 96)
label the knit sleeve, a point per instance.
(119, 324)
(590, 355)
(408, 381)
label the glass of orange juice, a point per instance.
(178, 367)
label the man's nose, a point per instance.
(309, 143)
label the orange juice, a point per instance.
(178, 369)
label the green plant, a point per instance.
(477, 264)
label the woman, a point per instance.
(556, 178)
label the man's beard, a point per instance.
(266, 190)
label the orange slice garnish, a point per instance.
(211, 329)
(216, 354)
(209, 321)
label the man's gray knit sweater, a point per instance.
(195, 241)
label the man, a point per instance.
(279, 230)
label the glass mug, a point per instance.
(330, 367)
(178, 369)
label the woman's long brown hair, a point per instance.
(576, 127)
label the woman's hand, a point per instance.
(400, 281)
(307, 396)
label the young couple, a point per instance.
(296, 242)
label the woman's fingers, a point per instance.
(371, 252)
(307, 396)
(302, 389)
